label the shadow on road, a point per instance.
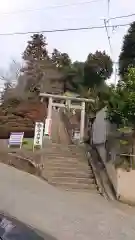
(11, 228)
(46, 236)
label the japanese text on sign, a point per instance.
(38, 137)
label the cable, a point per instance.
(66, 29)
(124, 16)
(50, 7)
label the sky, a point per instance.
(39, 15)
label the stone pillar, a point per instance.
(68, 103)
(42, 100)
(82, 123)
(49, 115)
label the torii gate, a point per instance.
(68, 100)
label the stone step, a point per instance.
(62, 158)
(59, 145)
(71, 170)
(76, 174)
(72, 180)
(62, 171)
(47, 148)
(66, 162)
(79, 186)
(74, 190)
(63, 154)
(62, 148)
(65, 166)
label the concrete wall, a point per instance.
(121, 179)
(125, 180)
(100, 129)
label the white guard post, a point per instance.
(38, 135)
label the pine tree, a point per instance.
(35, 56)
(36, 48)
(39, 70)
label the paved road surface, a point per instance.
(63, 215)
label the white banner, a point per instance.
(48, 123)
(38, 136)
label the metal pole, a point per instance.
(82, 123)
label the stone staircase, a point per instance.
(66, 166)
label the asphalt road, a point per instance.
(63, 215)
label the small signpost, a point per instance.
(38, 136)
(16, 139)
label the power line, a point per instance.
(107, 20)
(66, 29)
(51, 7)
(123, 16)
(113, 18)
(70, 5)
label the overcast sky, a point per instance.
(15, 16)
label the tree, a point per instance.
(98, 68)
(93, 72)
(36, 48)
(36, 59)
(127, 55)
(61, 60)
(73, 77)
(121, 106)
(78, 77)
(64, 64)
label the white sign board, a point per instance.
(38, 136)
(16, 139)
(48, 123)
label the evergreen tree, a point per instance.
(98, 68)
(36, 48)
(36, 59)
(61, 60)
(40, 70)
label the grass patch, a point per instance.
(27, 144)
